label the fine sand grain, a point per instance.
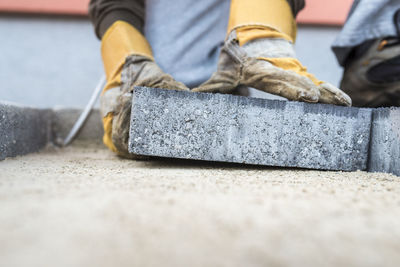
(83, 206)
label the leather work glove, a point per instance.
(258, 52)
(128, 62)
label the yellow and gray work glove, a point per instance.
(258, 52)
(128, 62)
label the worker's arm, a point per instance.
(103, 13)
(259, 53)
(128, 62)
(296, 6)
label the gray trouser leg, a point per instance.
(368, 19)
(186, 35)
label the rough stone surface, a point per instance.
(385, 141)
(22, 130)
(228, 128)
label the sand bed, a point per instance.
(82, 206)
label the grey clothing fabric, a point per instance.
(186, 36)
(103, 13)
(368, 19)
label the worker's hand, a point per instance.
(128, 62)
(116, 102)
(269, 65)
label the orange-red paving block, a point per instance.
(316, 11)
(325, 12)
(68, 7)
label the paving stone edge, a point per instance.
(148, 101)
(25, 130)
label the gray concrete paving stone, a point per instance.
(22, 129)
(385, 141)
(229, 128)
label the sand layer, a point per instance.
(82, 206)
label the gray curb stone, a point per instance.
(22, 130)
(385, 141)
(216, 127)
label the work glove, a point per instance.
(258, 52)
(128, 62)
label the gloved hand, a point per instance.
(128, 62)
(258, 53)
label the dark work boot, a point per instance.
(372, 73)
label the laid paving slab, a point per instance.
(22, 129)
(385, 141)
(227, 128)
(25, 129)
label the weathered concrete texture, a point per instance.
(63, 120)
(22, 130)
(385, 141)
(228, 128)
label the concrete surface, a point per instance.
(385, 141)
(83, 206)
(227, 128)
(59, 59)
(22, 129)
(48, 61)
(63, 120)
